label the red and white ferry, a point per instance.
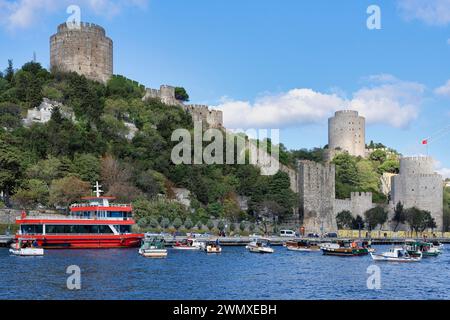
(91, 225)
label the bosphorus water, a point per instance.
(234, 274)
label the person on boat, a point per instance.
(354, 244)
(35, 244)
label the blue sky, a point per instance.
(285, 64)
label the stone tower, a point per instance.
(316, 186)
(84, 49)
(419, 186)
(347, 132)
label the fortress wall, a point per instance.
(358, 204)
(317, 196)
(85, 50)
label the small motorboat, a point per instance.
(153, 247)
(260, 245)
(344, 248)
(302, 246)
(438, 245)
(188, 244)
(26, 247)
(212, 247)
(416, 248)
(396, 255)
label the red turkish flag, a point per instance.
(424, 141)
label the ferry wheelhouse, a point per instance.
(95, 224)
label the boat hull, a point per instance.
(27, 252)
(345, 252)
(378, 257)
(260, 250)
(87, 241)
(153, 253)
(303, 249)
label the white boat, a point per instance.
(302, 246)
(188, 244)
(396, 255)
(260, 245)
(26, 248)
(153, 247)
(212, 247)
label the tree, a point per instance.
(9, 72)
(358, 223)
(165, 222)
(199, 224)
(210, 225)
(378, 155)
(152, 222)
(419, 220)
(177, 223)
(242, 226)
(252, 227)
(344, 219)
(68, 190)
(347, 178)
(221, 225)
(87, 167)
(399, 215)
(376, 216)
(188, 224)
(181, 94)
(231, 210)
(232, 227)
(142, 223)
(34, 192)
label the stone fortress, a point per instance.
(88, 51)
(417, 185)
(84, 49)
(213, 118)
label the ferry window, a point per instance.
(104, 229)
(124, 229)
(31, 229)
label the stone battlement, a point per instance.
(347, 112)
(83, 27)
(84, 49)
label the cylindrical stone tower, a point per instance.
(85, 49)
(418, 185)
(347, 132)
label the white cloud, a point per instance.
(445, 172)
(443, 90)
(432, 12)
(388, 100)
(22, 14)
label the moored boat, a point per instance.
(397, 254)
(26, 247)
(153, 247)
(303, 246)
(92, 225)
(344, 248)
(426, 249)
(188, 244)
(260, 245)
(213, 247)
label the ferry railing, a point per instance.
(62, 217)
(84, 205)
